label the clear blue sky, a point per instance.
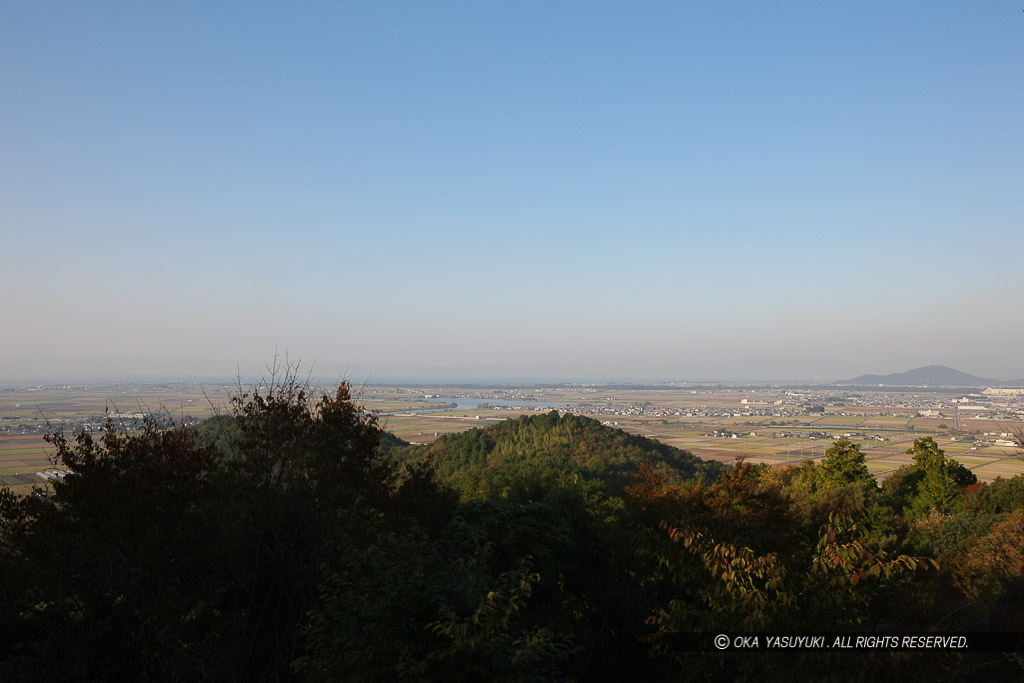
(521, 190)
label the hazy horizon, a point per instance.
(460, 381)
(656, 193)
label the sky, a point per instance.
(520, 191)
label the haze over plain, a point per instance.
(460, 191)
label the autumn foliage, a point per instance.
(292, 539)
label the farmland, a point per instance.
(28, 413)
(773, 425)
(776, 425)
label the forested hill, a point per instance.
(552, 447)
(285, 542)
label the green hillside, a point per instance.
(294, 541)
(498, 460)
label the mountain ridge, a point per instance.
(931, 375)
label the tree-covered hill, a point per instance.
(491, 461)
(289, 541)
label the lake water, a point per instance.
(465, 404)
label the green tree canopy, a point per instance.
(843, 465)
(168, 555)
(941, 479)
(524, 458)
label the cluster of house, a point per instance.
(726, 434)
(814, 436)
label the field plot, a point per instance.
(426, 428)
(21, 456)
(28, 414)
(886, 422)
(839, 420)
(22, 453)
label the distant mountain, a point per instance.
(931, 375)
